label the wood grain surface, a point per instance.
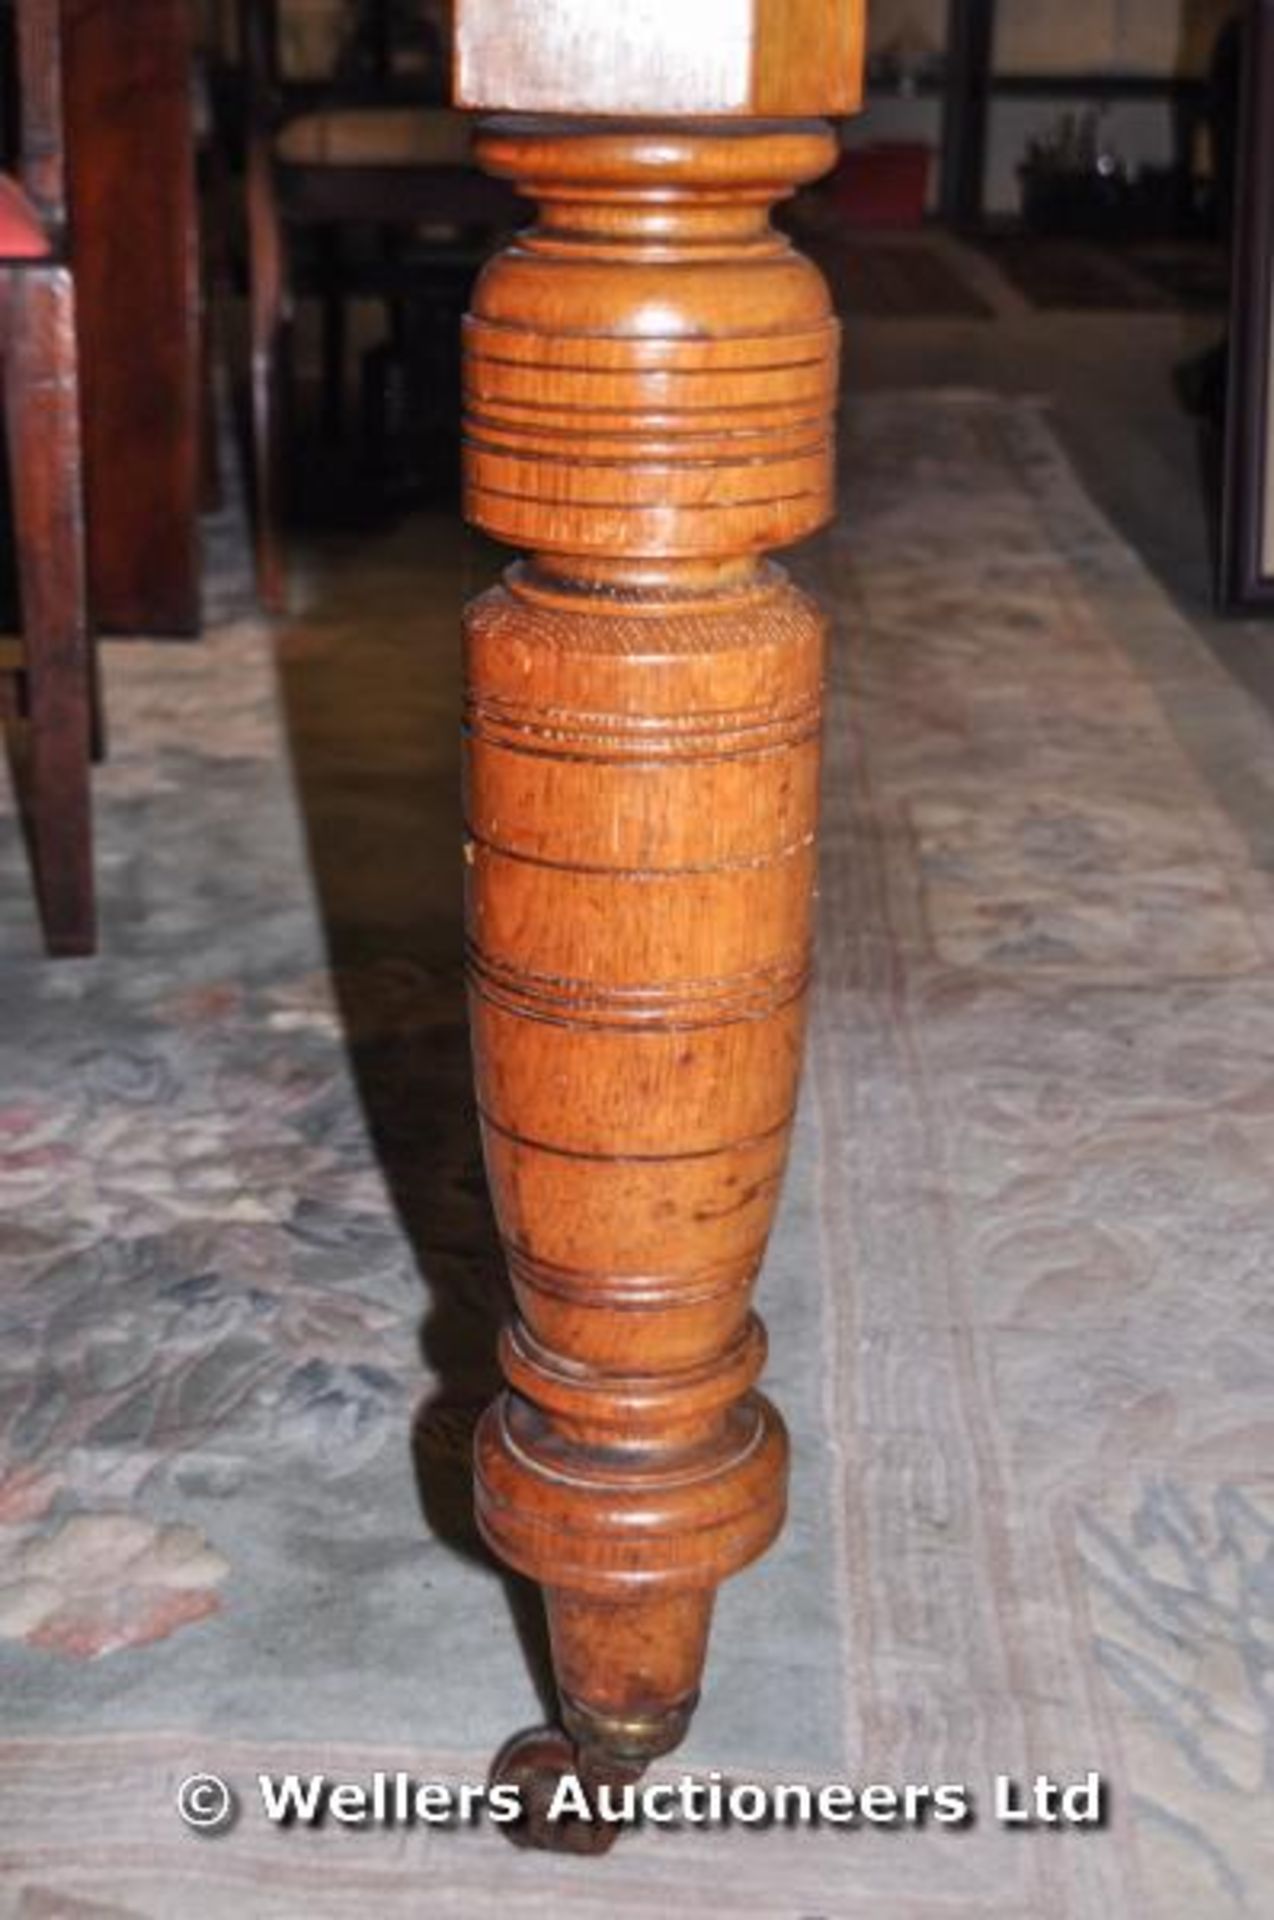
(134, 247)
(660, 56)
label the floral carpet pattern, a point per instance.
(1019, 1294)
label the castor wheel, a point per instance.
(537, 1763)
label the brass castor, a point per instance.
(536, 1763)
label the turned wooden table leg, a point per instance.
(651, 379)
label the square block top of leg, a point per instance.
(660, 58)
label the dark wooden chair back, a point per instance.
(38, 152)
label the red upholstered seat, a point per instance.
(22, 237)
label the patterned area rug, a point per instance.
(1019, 1293)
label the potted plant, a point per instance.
(1072, 183)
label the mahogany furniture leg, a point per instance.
(269, 324)
(651, 375)
(43, 433)
(135, 253)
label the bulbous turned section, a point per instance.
(651, 372)
(651, 368)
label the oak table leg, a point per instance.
(642, 782)
(651, 375)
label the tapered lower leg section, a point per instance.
(628, 1671)
(642, 753)
(628, 1675)
(630, 1500)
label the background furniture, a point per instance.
(359, 186)
(967, 84)
(987, 80)
(651, 381)
(54, 668)
(134, 223)
(1247, 512)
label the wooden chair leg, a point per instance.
(268, 325)
(267, 455)
(43, 425)
(99, 739)
(335, 336)
(215, 227)
(211, 491)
